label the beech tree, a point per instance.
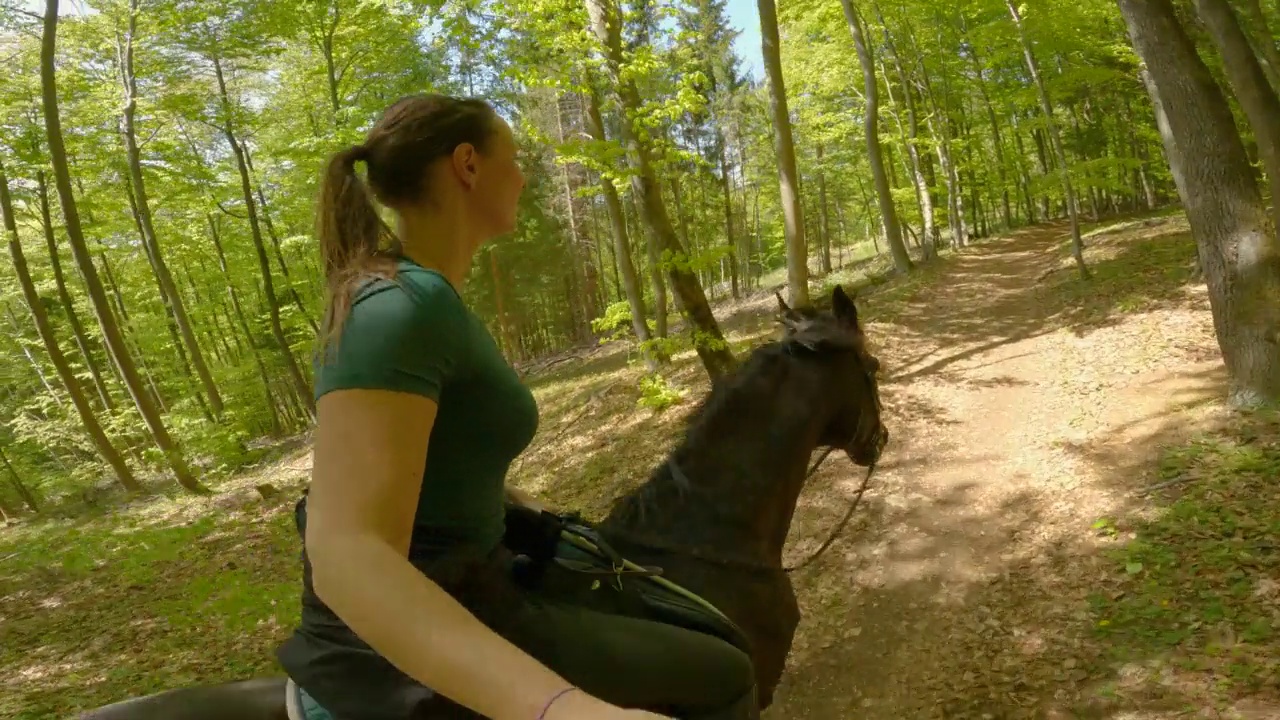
(1237, 243)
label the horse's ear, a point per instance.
(789, 316)
(843, 308)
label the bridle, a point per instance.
(858, 435)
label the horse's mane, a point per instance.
(764, 361)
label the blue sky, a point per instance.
(744, 16)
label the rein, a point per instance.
(839, 528)
(835, 532)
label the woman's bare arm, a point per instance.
(370, 450)
(524, 498)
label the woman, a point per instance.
(406, 583)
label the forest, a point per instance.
(160, 159)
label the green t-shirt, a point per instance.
(416, 335)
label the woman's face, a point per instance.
(498, 182)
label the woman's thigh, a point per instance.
(638, 663)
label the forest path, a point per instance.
(1024, 405)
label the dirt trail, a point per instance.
(1016, 424)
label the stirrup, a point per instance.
(298, 705)
(293, 700)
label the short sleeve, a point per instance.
(408, 336)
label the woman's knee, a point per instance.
(735, 677)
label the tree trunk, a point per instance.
(27, 496)
(784, 146)
(653, 256)
(129, 335)
(20, 341)
(995, 127)
(1263, 41)
(1252, 90)
(170, 320)
(1055, 139)
(621, 241)
(239, 311)
(1177, 168)
(729, 238)
(106, 321)
(707, 338)
(163, 276)
(504, 323)
(300, 383)
(1238, 251)
(824, 221)
(875, 157)
(942, 134)
(923, 192)
(69, 381)
(64, 297)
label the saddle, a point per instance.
(564, 557)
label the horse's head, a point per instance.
(835, 341)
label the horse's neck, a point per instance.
(731, 495)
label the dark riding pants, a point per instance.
(583, 635)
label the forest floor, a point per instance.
(1067, 524)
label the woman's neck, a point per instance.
(439, 241)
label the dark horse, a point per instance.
(714, 516)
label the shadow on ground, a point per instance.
(1163, 607)
(996, 306)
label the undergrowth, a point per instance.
(1194, 594)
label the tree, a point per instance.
(785, 150)
(1237, 246)
(708, 341)
(84, 261)
(871, 121)
(70, 382)
(169, 291)
(1256, 97)
(1055, 139)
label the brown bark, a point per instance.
(1238, 252)
(708, 340)
(106, 321)
(171, 324)
(504, 323)
(127, 332)
(69, 380)
(941, 131)
(784, 146)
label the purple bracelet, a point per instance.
(542, 715)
